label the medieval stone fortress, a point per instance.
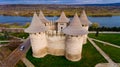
(64, 37)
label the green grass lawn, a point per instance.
(4, 43)
(111, 38)
(2, 37)
(113, 52)
(90, 57)
(20, 35)
(20, 64)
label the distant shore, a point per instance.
(68, 15)
(55, 10)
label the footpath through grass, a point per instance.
(111, 38)
(113, 52)
(90, 57)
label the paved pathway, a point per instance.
(111, 62)
(109, 32)
(27, 62)
(105, 43)
(5, 41)
(3, 45)
(106, 65)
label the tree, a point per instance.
(6, 35)
(26, 25)
(95, 25)
(97, 32)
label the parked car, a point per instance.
(22, 47)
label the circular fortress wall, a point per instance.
(73, 48)
(39, 44)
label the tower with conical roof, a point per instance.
(43, 18)
(74, 39)
(62, 22)
(37, 37)
(85, 24)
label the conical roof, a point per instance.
(63, 18)
(75, 27)
(84, 20)
(43, 18)
(36, 25)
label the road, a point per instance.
(16, 55)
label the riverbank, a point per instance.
(55, 10)
(52, 14)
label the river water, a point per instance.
(103, 21)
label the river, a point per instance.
(103, 21)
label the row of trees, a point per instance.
(96, 26)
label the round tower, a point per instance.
(85, 24)
(62, 22)
(74, 39)
(37, 36)
(44, 20)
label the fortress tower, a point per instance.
(62, 22)
(74, 39)
(85, 24)
(43, 18)
(37, 37)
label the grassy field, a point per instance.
(20, 64)
(111, 38)
(20, 35)
(2, 37)
(90, 57)
(113, 52)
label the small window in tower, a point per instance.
(61, 24)
(35, 33)
(61, 28)
(72, 36)
(85, 25)
(76, 35)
